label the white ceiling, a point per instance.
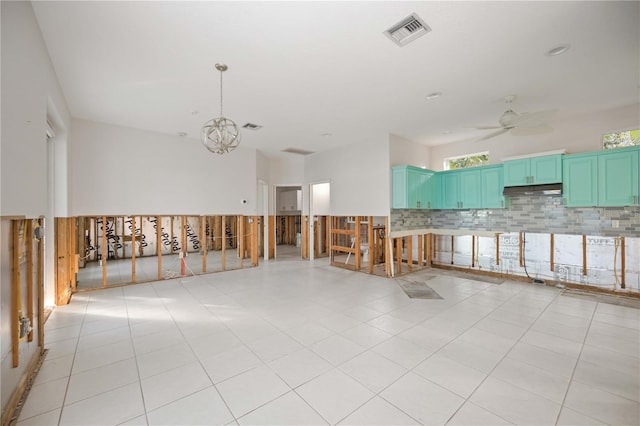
(304, 69)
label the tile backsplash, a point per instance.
(536, 214)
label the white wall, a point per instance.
(321, 199)
(579, 134)
(29, 84)
(359, 176)
(118, 171)
(403, 151)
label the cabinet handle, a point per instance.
(635, 199)
(533, 179)
(418, 204)
(428, 204)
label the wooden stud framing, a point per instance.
(410, 253)
(105, 251)
(29, 244)
(520, 249)
(115, 220)
(420, 252)
(202, 220)
(15, 293)
(183, 235)
(372, 246)
(497, 249)
(357, 243)
(551, 253)
(433, 247)
(622, 264)
(240, 239)
(254, 241)
(399, 242)
(223, 236)
(159, 244)
(388, 255)
(133, 248)
(452, 248)
(473, 251)
(272, 236)
(41, 289)
(584, 255)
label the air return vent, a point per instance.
(252, 126)
(407, 30)
(297, 151)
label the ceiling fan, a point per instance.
(519, 124)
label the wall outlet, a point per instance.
(615, 224)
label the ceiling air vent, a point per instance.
(407, 30)
(297, 151)
(252, 126)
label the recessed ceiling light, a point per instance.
(434, 95)
(326, 135)
(558, 50)
(194, 112)
(182, 134)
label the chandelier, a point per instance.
(220, 135)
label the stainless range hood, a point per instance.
(549, 189)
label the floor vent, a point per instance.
(297, 151)
(407, 30)
(252, 126)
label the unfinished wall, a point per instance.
(576, 134)
(538, 217)
(117, 171)
(30, 93)
(359, 176)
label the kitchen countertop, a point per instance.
(440, 231)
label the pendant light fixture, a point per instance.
(220, 135)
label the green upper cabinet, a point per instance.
(580, 180)
(475, 188)
(492, 186)
(533, 170)
(618, 177)
(450, 190)
(470, 189)
(410, 187)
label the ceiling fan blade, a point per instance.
(487, 127)
(492, 134)
(533, 119)
(527, 131)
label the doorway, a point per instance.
(319, 212)
(288, 226)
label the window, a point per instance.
(465, 161)
(621, 139)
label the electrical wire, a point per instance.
(524, 260)
(616, 244)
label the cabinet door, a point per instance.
(517, 172)
(547, 169)
(399, 188)
(449, 184)
(492, 187)
(580, 181)
(470, 189)
(433, 188)
(618, 178)
(414, 182)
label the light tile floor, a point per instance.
(294, 342)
